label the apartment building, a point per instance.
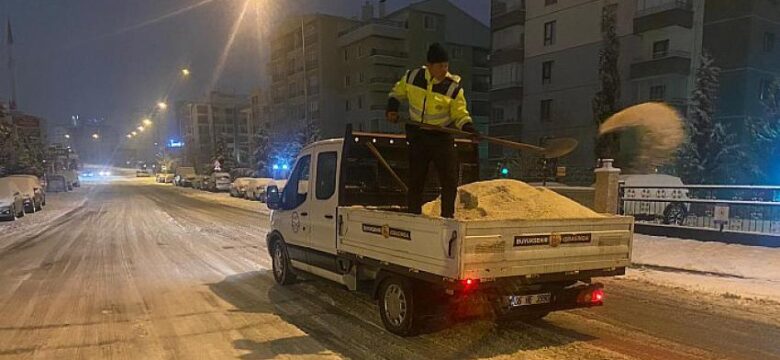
(304, 80)
(743, 38)
(561, 42)
(377, 52)
(221, 118)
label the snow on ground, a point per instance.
(716, 268)
(57, 205)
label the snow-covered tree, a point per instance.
(711, 153)
(262, 152)
(764, 148)
(607, 100)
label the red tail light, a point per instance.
(597, 297)
(592, 296)
(469, 284)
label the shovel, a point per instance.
(554, 148)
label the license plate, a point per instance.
(525, 300)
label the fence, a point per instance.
(752, 209)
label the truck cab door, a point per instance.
(294, 219)
(324, 202)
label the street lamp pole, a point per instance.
(305, 81)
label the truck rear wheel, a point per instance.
(281, 264)
(397, 306)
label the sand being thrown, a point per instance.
(510, 200)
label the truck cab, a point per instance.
(341, 216)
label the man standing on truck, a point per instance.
(435, 98)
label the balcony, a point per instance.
(669, 13)
(392, 53)
(382, 80)
(374, 27)
(507, 91)
(507, 18)
(669, 62)
(507, 55)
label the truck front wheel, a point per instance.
(281, 264)
(397, 306)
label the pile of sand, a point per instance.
(510, 200)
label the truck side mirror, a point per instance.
(272, 197)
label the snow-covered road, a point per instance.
(148, 271)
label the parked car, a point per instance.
(11, 200)
(239, 186)
(184, 176)
(88, 173)
(57, 183)
(72, 179)
(236, 173)
(142, 173)
(256, 189)
(31, 185)
(218, 181)
(105, 172)
(199, 182)
(655, 187)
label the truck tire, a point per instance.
(397, 306)
(280, 262)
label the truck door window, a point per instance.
(297, 185)
(326, 175)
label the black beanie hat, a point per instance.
(437, 54)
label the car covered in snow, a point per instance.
(199, 182)
(142, 173)
(218, 181)
(72, 178)
(11, 200)
(184, 176)
(32, 190)
(645, 198)
(256, 189)
(239, 186)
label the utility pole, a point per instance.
(11, 65)
(305, 81)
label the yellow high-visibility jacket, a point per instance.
(440, 103)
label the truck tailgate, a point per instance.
(495, 249)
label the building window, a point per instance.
(519, 113)
(769, 42)
(430, 22)
(360, 50)
(549, 33)
(658, 92)
(347, 105)
(546, 110)
(362, 77)
(457, 53)
(550, 2)
(660, 49)
(547, 72)
(346, 54)
(497, 115)
(507, 75)
(480, 108)
(360, 102)
(347, 81)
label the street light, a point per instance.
(129, 136)
(140, 128)
(185, 72)
(67, 136)
(147, 122)
(95, 136)
(134, 133)
(162, 105)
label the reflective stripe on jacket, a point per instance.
(440, 103)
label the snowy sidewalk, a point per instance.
(57, 206)
(716, 268)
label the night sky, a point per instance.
(88, 57)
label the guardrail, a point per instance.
(751, 209)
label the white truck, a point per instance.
(341, 217)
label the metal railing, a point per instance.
(663, 55)
(754, 209)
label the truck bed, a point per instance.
(485, 249)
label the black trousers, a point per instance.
(426, 147)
